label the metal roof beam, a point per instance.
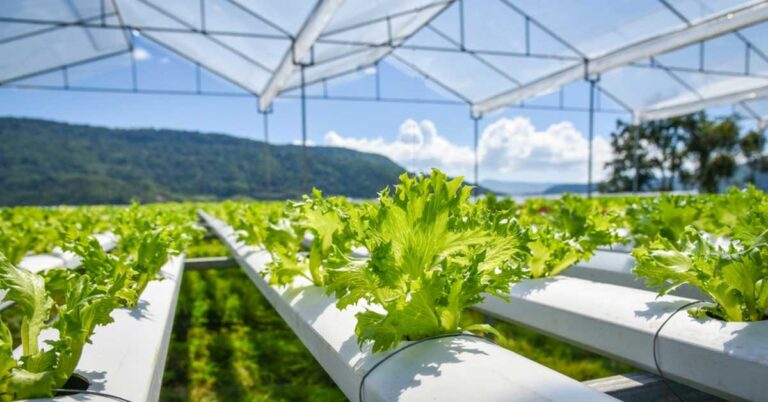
(668, 110)
(718, 25)
(321, 15)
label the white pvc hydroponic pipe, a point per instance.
(448, 369)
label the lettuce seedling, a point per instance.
(426, 266)
(735, 279)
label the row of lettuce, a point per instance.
(422, 253)
(414, 260)
(71, 303)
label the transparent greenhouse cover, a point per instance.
(656, 58)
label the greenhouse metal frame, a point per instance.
(657, 59)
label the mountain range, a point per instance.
(46, 163)
(532, 188)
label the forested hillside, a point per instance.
(44, 162)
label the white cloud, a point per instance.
(559, 153)
(418, 147)
(509, 149)
(310, 143)
(141, 54)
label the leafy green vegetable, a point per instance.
(552, 253)
(426, 265)
(322, 219)
(566, 232)
(432, 253)
(37, 230)
(72, 303)
(666, 216)
(39, 371)
(724, 213)
(735, 279)
(28, 290)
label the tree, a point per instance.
(691, 150)
(667, 137)
(626, 155)
(711, 148)
(752, 146)
(661, 148)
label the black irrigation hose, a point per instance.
(389, 356)
(655, 341)
(81, 391)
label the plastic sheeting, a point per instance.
(28, 48)
(476, 50)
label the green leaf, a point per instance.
(433, 255)
(734, 279)
(28, 291)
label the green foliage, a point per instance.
(426, 265)
(323, 220)
(687, 150)
(49, 163)
(72, 303)
(752, 146)
(39, 371)
(286, 230)
(736, 279)
(28, 290)
(38, 230)
(632, 163)
(431, 253)
(228, 344)
(665, 216)
(573, 229)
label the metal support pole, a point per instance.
(527, 35)
(103, 11)
(65, 74)
(198, 79)
(202, 16)
(761, 125)
(635, 154)
(267, 154)
(461, 26)
(592, 87)
(378, 81)
(304, 166)
(134, 73)
(476, 124)
(746, 58)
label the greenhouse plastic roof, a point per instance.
(656, 58)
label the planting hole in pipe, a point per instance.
(75, 384)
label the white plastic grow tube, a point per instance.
(458, 369)
(127, 357)
(717, 241)
(64, 259)
(57, 259)
(622, 321)
(729, 360)
(616, 268)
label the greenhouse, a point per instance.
(619, 254)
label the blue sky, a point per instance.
(516, 144)
(351, 121)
